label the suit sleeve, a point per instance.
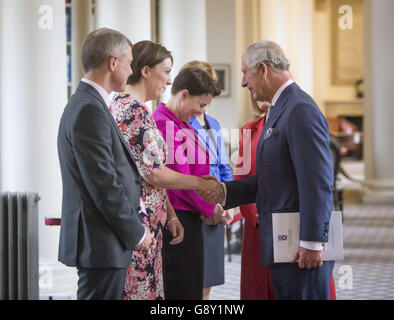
(92, 140)
(309, 145)
(240, 192)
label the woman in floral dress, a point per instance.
(151, 74)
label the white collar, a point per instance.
(280, 90)
(103, 93)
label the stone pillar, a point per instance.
(379, 101)
(290, 23)
(131, 17)
(81, 26)
(183, 31)
(33, 95)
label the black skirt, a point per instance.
(183, 263)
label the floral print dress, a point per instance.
(144, 279)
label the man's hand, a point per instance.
(176, 229)
(148, 245)
(211, 190)
(308, 258)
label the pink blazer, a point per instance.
(187, 155)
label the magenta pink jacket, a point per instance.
(187, 155)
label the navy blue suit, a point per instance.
(294, 173)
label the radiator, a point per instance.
(19, 246)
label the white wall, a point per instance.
(221, 49)
(33, 87)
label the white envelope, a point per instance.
(286, 236)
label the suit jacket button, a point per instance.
(265, 165)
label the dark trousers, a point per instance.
(101, 284)
(183, 263)
(291, 282)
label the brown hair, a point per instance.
(146, 53)
(102, 44)
(196, 81)
(202, 65)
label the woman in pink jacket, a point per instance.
(192, 91)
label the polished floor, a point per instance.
(367, 272)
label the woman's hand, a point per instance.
(216, 216)
(176, 229)
(227, 216)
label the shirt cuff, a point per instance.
(316, 246)
(143, 237)
(142, 205)
(143, 209)
(225, 194)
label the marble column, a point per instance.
(33, 95)
(183, 28)
(131, 17)
(290, 23)
(81, 25)
(379, 101)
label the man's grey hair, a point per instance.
(268, 52)
(102, 44)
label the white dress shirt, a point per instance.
(311, 245)
(106, 97)
(103, 93)
(277, 95)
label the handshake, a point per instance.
(212, 191)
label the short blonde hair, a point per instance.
(205, 66)
(256, 110)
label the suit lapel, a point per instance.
(275, 114)
(93, 92)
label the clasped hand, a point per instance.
(219, 216)
(211, 190)
(148, 245)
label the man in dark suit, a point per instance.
(294, 173)
(101, 186)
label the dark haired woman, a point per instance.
(151, 67)
(192, 91)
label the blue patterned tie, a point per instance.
(268, 113)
